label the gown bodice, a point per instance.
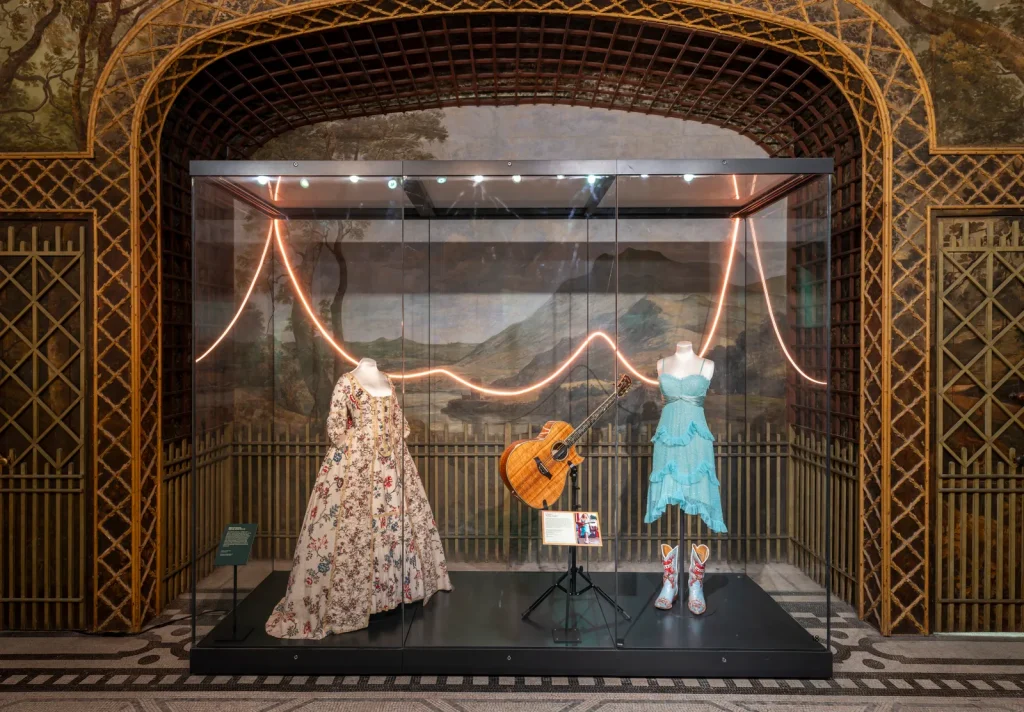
(687, 390)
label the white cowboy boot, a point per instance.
(698, 558)
(670, 578)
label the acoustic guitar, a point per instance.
(535, 470)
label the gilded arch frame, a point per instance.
(904, 173)
(852, 76)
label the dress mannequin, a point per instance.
(683, 465)
(685, 362)
(368, 541)
(370, 378)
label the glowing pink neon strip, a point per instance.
(443, 371)
(771, 312)
(245, 300)
(725, 286)
(275, 232)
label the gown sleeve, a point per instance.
(339, 420)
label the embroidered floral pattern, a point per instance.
(356, 553)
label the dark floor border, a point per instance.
(778, 664)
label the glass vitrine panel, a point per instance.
(511, 407)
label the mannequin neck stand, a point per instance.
(371, 378)
(685, 362)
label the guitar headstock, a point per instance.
(623, 386)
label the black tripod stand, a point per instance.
(571, 634)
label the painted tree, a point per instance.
(973, 59)
(318, 246)
(51, 56)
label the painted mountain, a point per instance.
(532, 305)
(660, 302)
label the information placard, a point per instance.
(235, 545)
(570, 528)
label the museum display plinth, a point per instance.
(477, 627)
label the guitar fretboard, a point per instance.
(580, 431)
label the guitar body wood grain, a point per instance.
(531, 472)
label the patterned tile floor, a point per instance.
(150, 671)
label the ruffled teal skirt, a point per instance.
(683, 471)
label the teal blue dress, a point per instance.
(683, 472)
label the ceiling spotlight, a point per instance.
(517, 179)
(442, 180)
(591, 179)
(478, 180)
(560, 176)
(304, 182)
(688, 177)
(392, 184)
(354, 179)
(643, 175)
(262, 180)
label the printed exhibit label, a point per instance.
(570, 528)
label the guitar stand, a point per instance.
(567, 633)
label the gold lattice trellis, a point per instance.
(902, 177)
(979, 428)
(44, 294)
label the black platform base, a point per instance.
(476, 629)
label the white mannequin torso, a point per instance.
(685, 362)
(371, 379)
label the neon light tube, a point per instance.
(443, 371)
(274, 233)
(245, 300)
(302, 297)
(771, 312)
(725, 286)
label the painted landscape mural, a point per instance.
(504, 302)
(972, 56)
(52, 53)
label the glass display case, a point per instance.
(517, 417)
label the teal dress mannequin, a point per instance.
(683, 471)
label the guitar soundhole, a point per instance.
(559, 452)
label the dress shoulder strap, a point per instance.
(702, 362)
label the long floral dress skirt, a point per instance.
(357, 554)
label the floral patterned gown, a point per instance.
(354, 557)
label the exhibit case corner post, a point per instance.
(482, 414)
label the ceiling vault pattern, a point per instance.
(242, 100)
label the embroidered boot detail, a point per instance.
(669, 577)
(698, 558)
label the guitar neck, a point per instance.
(580, 431)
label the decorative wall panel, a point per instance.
(44, 421)
(979, 422)
(902, 176)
